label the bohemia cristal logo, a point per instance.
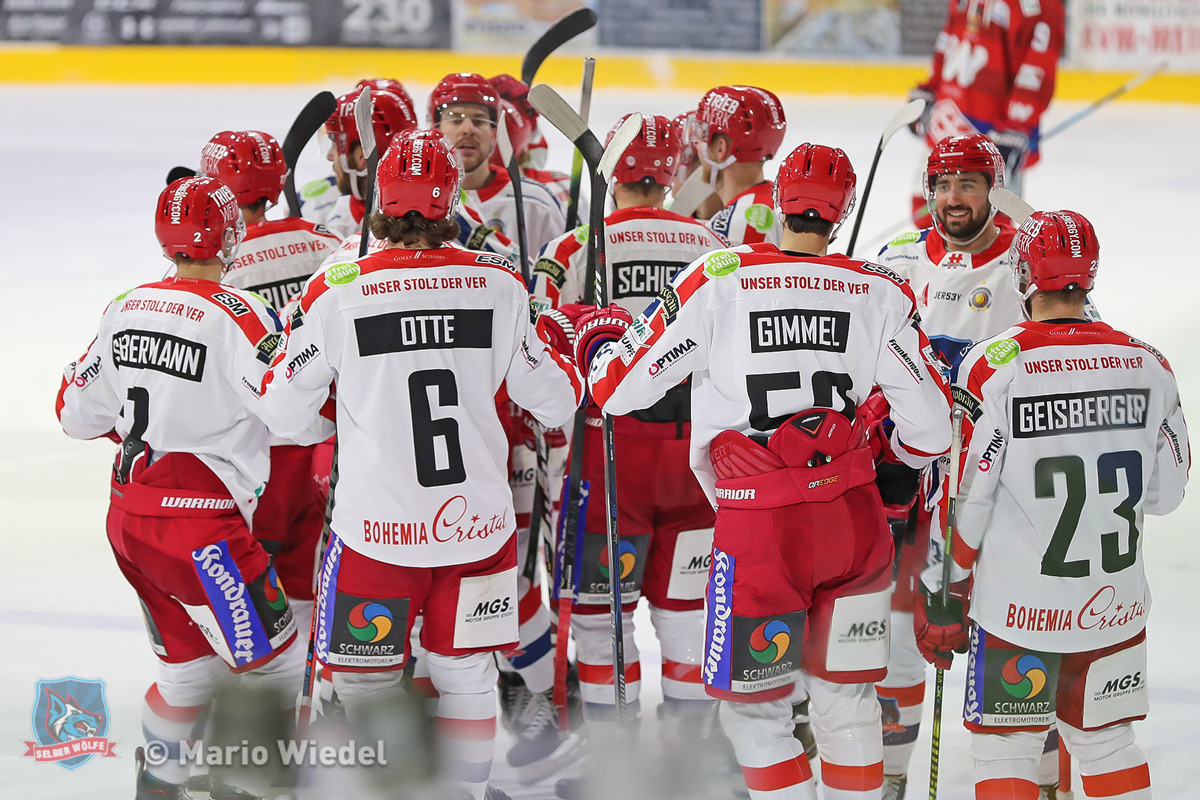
(370, 622)
(770, 641)
(1024, 676)
(628, 559)
(273, 591)
(70, 720)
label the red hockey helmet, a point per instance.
(652, 155)
(199, 218)
(751, 117)
(248, 162)
(1054, 250)
(391, 85)
(463, 87)
(971, 152)
(419, 173)
(815, 180)
(389, 116)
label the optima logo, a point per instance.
(674, 354)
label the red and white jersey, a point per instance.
(749, 218)
(277, 257)
(994, 66)
(178, 364)
(766, 335)
(961, 297)
(419, 343)
(644, 249)
(545, 218)
(346, 217)
(1072, 431)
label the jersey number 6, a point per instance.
(427, 430)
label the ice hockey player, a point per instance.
(420, 337)
(1072, 432)
(689, 162)
(993, 72)
(390, 116)
(665, 519)
(174, 376)
(275, 260)
(783, 345)
(735, 130)
(465, 107)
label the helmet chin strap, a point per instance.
(714, 167)
(963, 242)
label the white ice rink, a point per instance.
(84, 167)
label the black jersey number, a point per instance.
(824, 386)
(1113, 556)
(427, 430)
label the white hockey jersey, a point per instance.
(178, 364)
(749, 218)
(1072, 431)
(961, 297)
(766, 335)
(419, 342)
(545, 218)
(277, 258)
(346, 216)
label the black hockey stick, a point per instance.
(307, 123)
(504, 145)
(910, 113)
(585, 107)
(951, 522)
(179, 172)
(601, 163)
(366, 138)
(558, 34)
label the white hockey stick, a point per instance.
(1010, 203)
(910, 113)
(694, 191)
(366, 138)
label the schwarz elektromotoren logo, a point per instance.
(70, 723)
(628, 559)
(370, 622)
(1024, 676)
(770, 641)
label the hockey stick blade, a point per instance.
(695, 190)
(503, 142)
(1009, 203)
(180, 172)
(622, 137)
(910, 113)
(362, 118)
(304, 127)
(558, 34)
(559, 113)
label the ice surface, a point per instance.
(85, 165)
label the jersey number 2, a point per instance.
(1112, 557)
(427, 430)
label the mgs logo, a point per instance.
(1121, 685)
(491, 608)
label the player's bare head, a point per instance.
(419, 183)
(960, 172)
(199, 219)
(1055, 253)
(248, 162)
(465, 107)
(815, 189)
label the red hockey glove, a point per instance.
(554, 436)
(922, 124)
(556, 330)
(942, 628)
(596, 327)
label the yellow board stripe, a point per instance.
(342, 67)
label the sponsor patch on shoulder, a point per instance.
(493, 259)
(721, 264)
(266, 347)
(969, 403)
(342, 274)
(906, 238)
(760, 217)
(554, 271)
(582, 233)
(1002, 352)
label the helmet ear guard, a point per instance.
(1054, 251)
(199, 218)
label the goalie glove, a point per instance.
(1014, 149)
(942, 629)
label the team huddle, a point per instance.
(337, 430)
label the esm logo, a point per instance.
(1122, 684)
(490, 608)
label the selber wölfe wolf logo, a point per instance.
(70, 722)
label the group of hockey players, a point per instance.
(338, 432)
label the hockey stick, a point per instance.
(558, 34)
(585, 107)
(366, 138)
(694, 191)
(1095, 105)
(307, 123)
(910, 113)
(951, 522)
(601, 163)
(1010, 203)
(504, 144)
(179, 172)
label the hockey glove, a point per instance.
(556, 330)
(595, 327)
(1014, 148)
(942, 629)
(922, 123)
